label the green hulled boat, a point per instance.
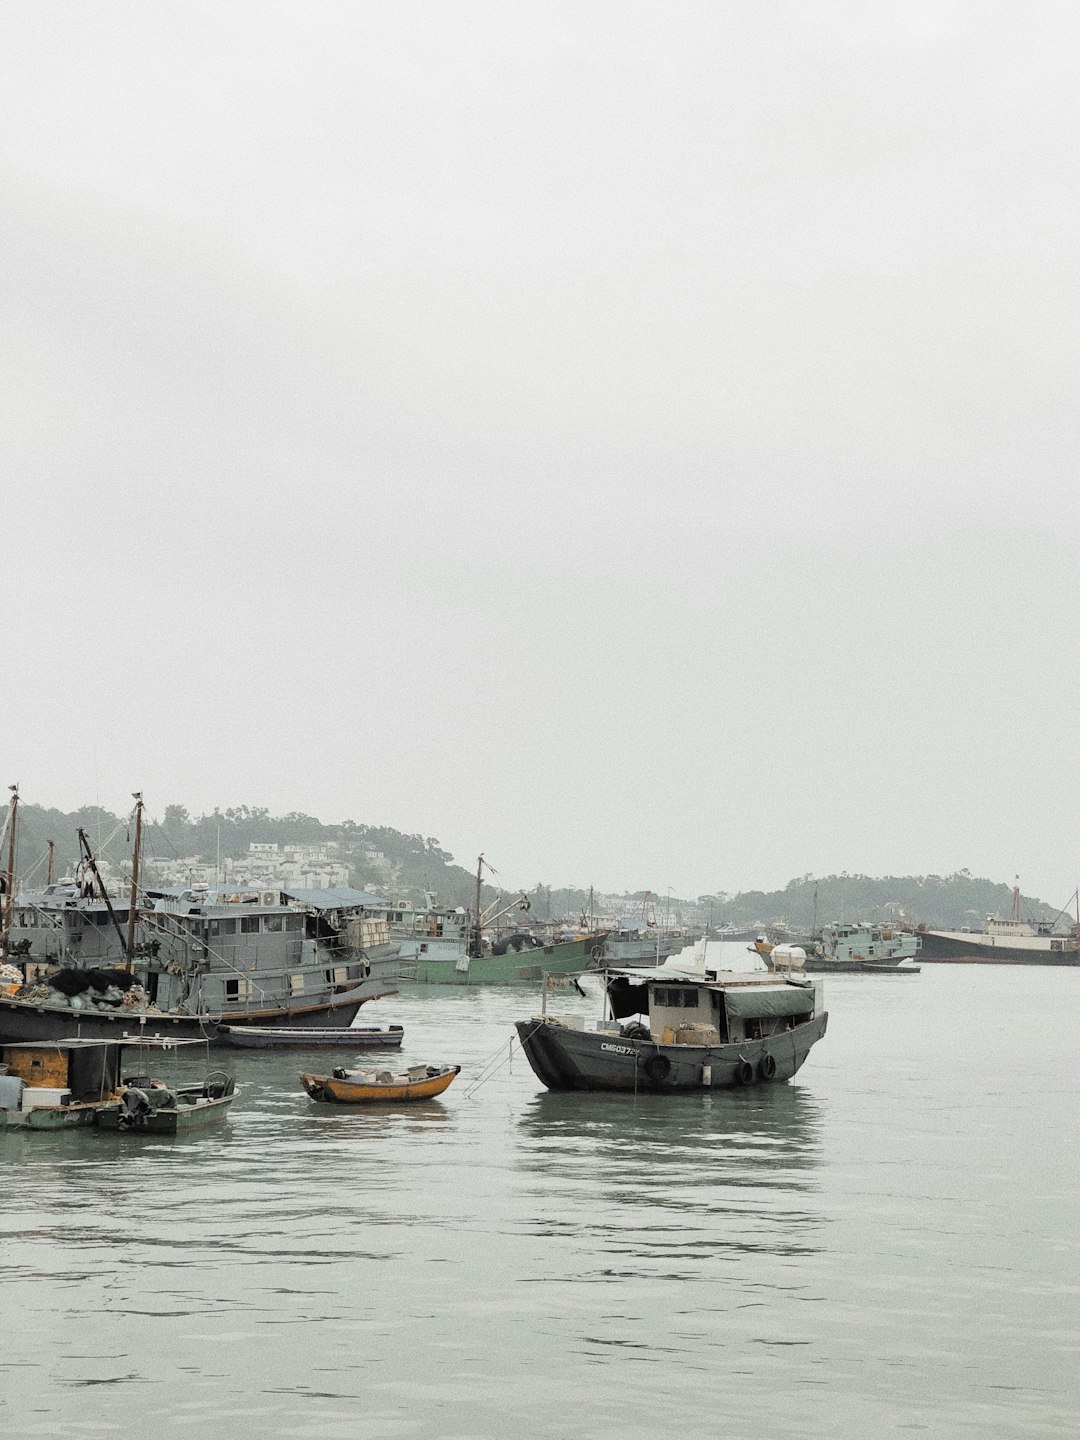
(523, 966)
(74, 1082)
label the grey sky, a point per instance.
(634, 440)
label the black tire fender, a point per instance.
(767, 1066)
(657, 1067)
(744, 1072)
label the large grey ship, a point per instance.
(189, 961)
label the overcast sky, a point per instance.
(634, 440)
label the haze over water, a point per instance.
(885, 1245)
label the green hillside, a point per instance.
(937, 901)
(380, 859)
(402, 867)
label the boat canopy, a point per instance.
(757, 1003)
(627, 996)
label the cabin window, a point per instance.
(273, 924)
(249, 924)
(294, 922)
(673, 999)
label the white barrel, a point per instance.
(788, 957)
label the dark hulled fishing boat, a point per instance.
(1006, 941)
(681, 1031)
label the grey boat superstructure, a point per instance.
(199, 958)
(846, 946)
(642, 944)
(682, 1030)
(428, 935)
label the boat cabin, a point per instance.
(61, 1072)
(684, 1010)
(227, 950)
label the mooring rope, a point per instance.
(495, 1062)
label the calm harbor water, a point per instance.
(889, 1244)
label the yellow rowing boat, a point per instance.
(361, 1087)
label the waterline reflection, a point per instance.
(673, 1183)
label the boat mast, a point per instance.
(9, 892)
(52, 853)
(478, 946)
(88, 855)
(129, 949)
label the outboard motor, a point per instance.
(134, 1108)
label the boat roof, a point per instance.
(83, 1042)
(711, 979)
(338, 897)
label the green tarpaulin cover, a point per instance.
(755, 1003)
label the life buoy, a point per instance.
(767, 1066)
(744, 1072)
(597, 951)
(657, 1067)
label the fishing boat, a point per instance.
(158, 1109)
(526, 965)
(352, 1037)
(636, 944)
(367, 1087)
(645, 939)
(1007, 940)
(428, 934)
(669, 1030)
(184, 962)
(74, 1082)
(844, 948)
(468, 947)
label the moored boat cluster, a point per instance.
(88, 977)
